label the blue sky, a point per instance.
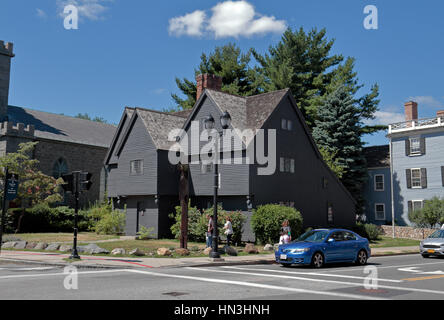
(129, 52)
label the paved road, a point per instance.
(399, 277)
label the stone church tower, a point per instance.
(6, 53)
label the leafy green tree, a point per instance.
(331, 160)
(338, 132)
(227, 62)
(35, 187)
(430, 215)
(86, 116)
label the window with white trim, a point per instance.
(416, 178)
(379, 182)
(415, 145)
(287, 124)
(417, 205)
(136, 167)
(380, 211)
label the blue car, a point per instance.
(321, 246)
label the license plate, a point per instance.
(283, 257)
(431, 251)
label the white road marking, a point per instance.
(384, 267)
(415, 270)
(313, 273)
(32, 269)
(258, 285)
(319, 280)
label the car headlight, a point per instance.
(299, 250)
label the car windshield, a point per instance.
(437, 235)
(314, 236)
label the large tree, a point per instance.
(227, 62)
(338, 132)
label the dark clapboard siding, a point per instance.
(138, 146)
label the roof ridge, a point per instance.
(231, 94)
(157, 111)
(270, 92)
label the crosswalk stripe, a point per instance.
(312, 274)
(319, 280)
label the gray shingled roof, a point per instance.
(159, 124)
(63, 128)
(377, 156)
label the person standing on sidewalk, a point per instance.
(209, 231)
(286, 228)
(228, 227)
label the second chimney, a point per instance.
(411, 111)
(207, 81)
(440, 114)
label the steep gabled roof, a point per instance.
(63, 128)
(126, 116)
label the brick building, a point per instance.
(65, 144)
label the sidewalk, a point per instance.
(140, 262)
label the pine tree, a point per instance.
(338, 132)
(227, 62)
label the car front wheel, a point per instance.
(425, 256)
(362, 258)
(318, 260)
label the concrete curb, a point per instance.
(55, 264)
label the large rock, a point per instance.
(230, 251)
(9, 245)
(207, 251)
(92, 248)
(268, 247)
(31, 245)
(250, 248)
(41, 246)
(118, 252)
(137, 252)
(20, 245)
(53, 247)
(163, 252)
(182, 252)
(65, 248)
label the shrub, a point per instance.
(197, 223)
(145, 233)
(370, 231)
(111, 223)
(430, 215)
(267, 221)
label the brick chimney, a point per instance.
(207, 81)
(6, 53)
(411, 111)
(440, 114)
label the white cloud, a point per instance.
(428, 101)
(386, 118)
(40, 13)
(190, 24)
(88, 9)
(228, 19)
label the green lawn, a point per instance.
(60, 237)
(386, 242)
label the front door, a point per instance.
(140, 211)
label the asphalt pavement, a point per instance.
(394, 277)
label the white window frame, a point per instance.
(376, 184)
(420, 178)
(416, 201)
(412, 151)
(376, 211)
(141, 168)
(287, 165)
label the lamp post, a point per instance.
(225, 121)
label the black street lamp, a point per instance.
(225, 121)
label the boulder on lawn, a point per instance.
(9, 245)
(182, 252)
(137, 252)
(269, 247)
(230, 251)
(20, 245)
(41, 246)
(53, 247)
(65, 248)
(118, 252)
(207, 251)
(31, 245)
(163, 252)
(92, 248)
(250, 248)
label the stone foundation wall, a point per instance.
(407, 232)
